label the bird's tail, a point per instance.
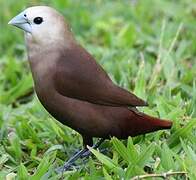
(140, 123)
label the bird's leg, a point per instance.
(74, 158)
(87, 153)
(71, 161)
(82, 153)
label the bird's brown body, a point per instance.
(83, 97)
(74, 89)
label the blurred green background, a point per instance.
(146, 46)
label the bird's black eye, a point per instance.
(38, 20)
(25, 15)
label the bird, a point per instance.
(74, 88)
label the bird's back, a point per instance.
(79, 76)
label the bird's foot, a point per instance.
(81, 154)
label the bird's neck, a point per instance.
(42, 63)
(43, 59)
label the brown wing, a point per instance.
(79, 76)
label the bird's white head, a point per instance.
(42, 24)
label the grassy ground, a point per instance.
(147, 46)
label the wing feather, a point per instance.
(79, 76)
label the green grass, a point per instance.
(148, 47)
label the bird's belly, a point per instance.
(84, 117)
(87, 118)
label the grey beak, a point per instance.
(21, 22)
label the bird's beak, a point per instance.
(21, 22)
